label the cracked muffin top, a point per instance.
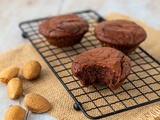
(120, 32)
(105, 65)
(63, 26)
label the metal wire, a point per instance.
(142, 87)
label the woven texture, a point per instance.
(48, 85)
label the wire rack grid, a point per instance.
(142, 87)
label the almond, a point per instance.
(8, 74)
(14, 88)
(31, 70)
(15, 112)
(36, 103)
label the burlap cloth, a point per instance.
(48, 85)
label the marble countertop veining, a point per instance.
(13, 12)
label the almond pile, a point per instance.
(33, 102)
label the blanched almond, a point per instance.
(31, 70)
(14, 88)
(15, 112)
(36, 103)
(8, 74)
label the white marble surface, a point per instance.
(12, 12)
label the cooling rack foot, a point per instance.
(24, 35)
(76, 107)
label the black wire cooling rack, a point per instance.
(142, 87)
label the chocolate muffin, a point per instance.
(101, 66)
(123, 35)
(64, 30)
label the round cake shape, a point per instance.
(101, 66)
(64, 30)
(123, 35)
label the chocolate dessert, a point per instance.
(64, 30)
(123, 35)
(101, 66)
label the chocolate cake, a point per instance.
(64, 30)
(123, 35)
(101, 66)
